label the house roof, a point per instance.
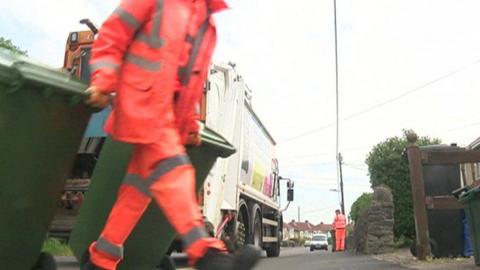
(309, 227)
(323, 227)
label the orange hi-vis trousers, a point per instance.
(170, 181)
(340, 239)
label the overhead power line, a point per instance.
(385, 102)
(461, 127)
(320, 209)
(356, 168)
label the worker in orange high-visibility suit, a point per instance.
(339, 224)
(154, 55)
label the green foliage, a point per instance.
(56, 247)
(288, 243)
(350, 230)
(359, 205)
(387, 165)
(403, 242)
(8, 44)
(298, 241)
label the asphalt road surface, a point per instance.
(296, 259)
(303, 259)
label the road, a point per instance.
(303, 259)
(300, 259)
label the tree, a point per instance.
(8, 44)
(388, 165)
(359, 205)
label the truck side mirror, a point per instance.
(290, 185)
(290, 195)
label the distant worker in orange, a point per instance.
(154, 56)
(339, 224)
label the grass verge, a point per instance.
(56, 247)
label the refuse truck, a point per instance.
(240, 198)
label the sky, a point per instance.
(403, 64)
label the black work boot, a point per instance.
(215, 260)
(86, 264)
(246, 257)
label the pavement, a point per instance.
(303, 259)
(404, 258)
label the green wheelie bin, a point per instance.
(150, 240)
(42, 120)
(470, 197)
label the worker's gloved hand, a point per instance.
(97, 98)
(194, 139)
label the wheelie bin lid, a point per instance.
(17, 70)
(217, 142)
(469, 195)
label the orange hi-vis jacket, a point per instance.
(194, 66)
(339, 222)
(157, 71)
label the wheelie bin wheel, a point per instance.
(167, 264)
(45, 262)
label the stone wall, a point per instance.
(373, 231)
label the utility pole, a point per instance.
(342, 204)
(338, 155)
(336, 76)
(299, 214)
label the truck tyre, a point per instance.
(242, 230)
(273, 250)
(45, 262)
(257, 229)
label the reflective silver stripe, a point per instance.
(103, 64)
(153, 42)
(109, 248)
(164, 167)
(127, 18)
(168, 165)
(193, 236)
(184, 73)
(142, 62)
(189, 39)
(157, 19)
(139, 183)
(197, 109)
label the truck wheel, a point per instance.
(273, 250)
(167, 264)
(242, 231)
(45, 262)
(257, 227)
